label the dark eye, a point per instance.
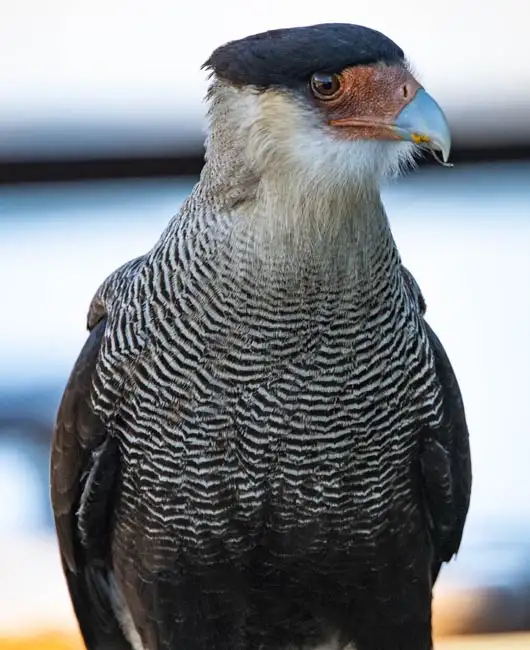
(324, 85)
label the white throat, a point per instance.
(296, 195)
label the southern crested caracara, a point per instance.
(262, 445)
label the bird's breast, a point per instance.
(302, 414)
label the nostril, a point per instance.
(406, 91)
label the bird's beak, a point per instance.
(386, 113)
(423, 122)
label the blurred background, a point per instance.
(101, 120)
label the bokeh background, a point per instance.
(101, 120)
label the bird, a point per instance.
(262, 444)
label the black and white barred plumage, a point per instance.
(262, 445)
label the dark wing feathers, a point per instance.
(84, 469)
(78, 431)
(446, 460)
(445, 454)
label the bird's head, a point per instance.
(337, 99)
(313, 117)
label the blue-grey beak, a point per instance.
(423, 122)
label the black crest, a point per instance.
(287, 57)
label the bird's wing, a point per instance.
(84, 471)
(445, 454)
(446, 463)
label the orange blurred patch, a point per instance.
(45, 641)
(486, 642)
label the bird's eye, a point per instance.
(325, 85)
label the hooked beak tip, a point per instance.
(423, 122)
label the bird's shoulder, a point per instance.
(79, 431)
(413, 290)
(111, 288)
